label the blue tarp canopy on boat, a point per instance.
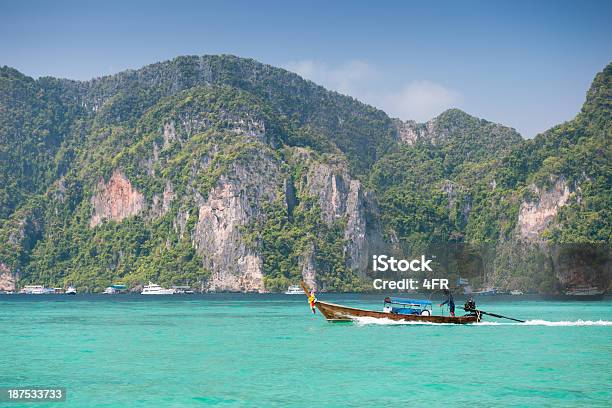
(410, 301)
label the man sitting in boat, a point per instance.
(470, 305)
(449, 301)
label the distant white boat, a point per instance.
(586, 291)
(154, 289)
(294, 290)
(183, 290)
(114, 289)
(516, 292)
(35, 290)
(71, 290)
(486, 292)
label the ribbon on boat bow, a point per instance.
(311, 297)
(311, 301)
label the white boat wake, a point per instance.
(567, 323)
(363, 321)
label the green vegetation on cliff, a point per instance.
(202, 140)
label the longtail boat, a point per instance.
(407, 310)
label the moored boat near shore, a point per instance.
(580, 293)
(183, 290)
(293, 290)
(154, 289)
(486, 292)
(35, 290)
(115, 289)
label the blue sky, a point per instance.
(526, 64)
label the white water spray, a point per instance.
(363, 321)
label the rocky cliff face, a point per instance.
(559, 268)
(411, 132)
(535, 216)
(18, 236)
(581, 268)
(218, 236)
(238, 199)
(7, 279)
(161, 206)
(461, 137)
(115, 200)
(309, 268)
(451, 125)
(342, 197)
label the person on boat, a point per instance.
(470, 305)
(449, 301)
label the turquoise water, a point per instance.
(269, 350)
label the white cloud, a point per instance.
(344, 78)
(419, 100)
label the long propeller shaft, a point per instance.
(492, 314)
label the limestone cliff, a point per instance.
(309, 269)
(161, 206)
(535, 216)
(411, 132)
(115, 200)
(460, 136)
(7, 279)
(582, 269)
(222, 217)
(527, 257)
(342, 197)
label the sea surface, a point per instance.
(270, 350)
